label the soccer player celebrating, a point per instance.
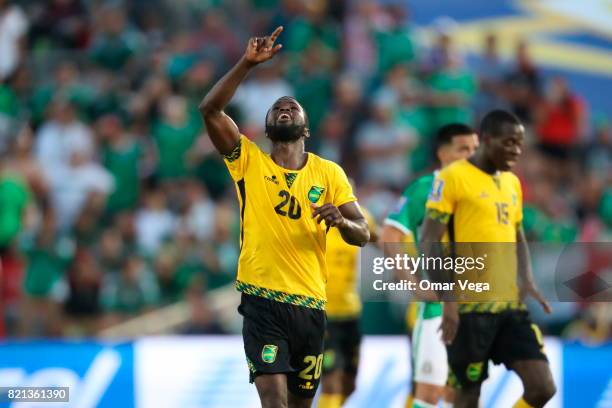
(343, 308)
(284, 197)
(478, 200)
(430, 369)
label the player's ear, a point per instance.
(306, 133)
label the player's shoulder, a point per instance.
(512, 178)
(325, 165)
(456, 168)
(423, 182)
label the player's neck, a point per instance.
(480, 161)
(289, 155)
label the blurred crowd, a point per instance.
(113, 201)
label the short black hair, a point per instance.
(447, 132)
(493, 122)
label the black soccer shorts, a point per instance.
(502, 337)
(284, 338)
(342, 341)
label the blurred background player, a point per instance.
(281, 271)
(343, 309)
(478, 200)
(453, 142)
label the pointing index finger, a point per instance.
(276, 33)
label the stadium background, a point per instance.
(129, 212)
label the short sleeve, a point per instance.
(443, 194)
(238, 160)
(340, 188)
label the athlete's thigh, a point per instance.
(272, 390)
(468, 354)
(306, 342)
(350, 344)
(519, 339)
(265, 340)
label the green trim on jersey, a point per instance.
(491, 307)
(279, 296)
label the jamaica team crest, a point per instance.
(315, 193)
(268, 353)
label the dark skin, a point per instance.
(498, 153)
(224, 133)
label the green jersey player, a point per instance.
(430, 370)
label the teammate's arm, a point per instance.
(221, 128)
(434, 226)
(349, 220)
(526, 282)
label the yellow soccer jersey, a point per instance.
(481, 208)
(343, 268)
(282, 248)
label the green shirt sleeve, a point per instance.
(409, 212)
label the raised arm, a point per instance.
(221, 128)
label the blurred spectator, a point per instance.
(110, 251)
(360, 51)
(171, 284)
(217, 39)
(333, 135)
(174, 135)
(13, 29)
(384, 145)
(121, 156)
(561, 121)
(452, 85)
(15, 197)
(130, 292)
(394, 40)
(312, 26)
(523, 84)
(181, 57)
(490, 71)
(597, 155)
(70, 28)
(78, 186)
(154, 222)
(83, 305)
(200, 211)
(68, 86)
(114, 42)
(48, 255)
(60, 137)
(348, 102)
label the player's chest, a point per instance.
(289, 194)
(493, 200)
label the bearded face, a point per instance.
(286, 121)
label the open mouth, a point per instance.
(284, 117)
